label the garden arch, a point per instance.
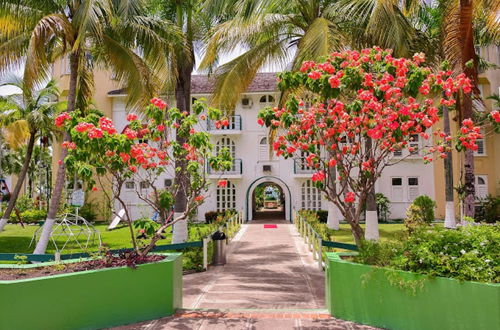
(284, 187)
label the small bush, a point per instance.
(211, 216)
(414, 218)
(383, 206)
(427, 206)
(470, 253)
(489, 210)
(87, 212)
(29, 216)
(24, 203)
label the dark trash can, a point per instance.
(219, 239)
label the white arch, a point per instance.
(284, 187)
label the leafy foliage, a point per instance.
(489, 210)
(470, 253)
(427, 206)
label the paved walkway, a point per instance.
(270, 281)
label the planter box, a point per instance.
(364, 294)
(93, 299)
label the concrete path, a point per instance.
(267, 268)
(270, 281)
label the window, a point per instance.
(226, 142)
(414, 143)
(144, 185)
(267, 99)
(167, 183)
(311, 196)
(398, 152)
(481, 187)
(226, 197)
(397, 189)
(481, 146)
(263, 149)
(130, 185)
(413, 191)
(65, 68)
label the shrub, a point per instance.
(29, 216)
(383, 206)
(427, 206)
(87, 211)
(470, 253)
(414, 218)
(489, 210)
(24, 202)
(211, 216)
(322, 216)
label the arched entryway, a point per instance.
(268, 202)
(269, 181)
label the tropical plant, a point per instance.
(88, 33)
(383, 206)
(361, 95)
(34, 110)
(194, 19)
(103, 157)
(427, 206)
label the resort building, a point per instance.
(254, 166)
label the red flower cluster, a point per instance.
(68, 145)
(222, 183)
(157, 102)
(106, 125)
(61, 119)
(350, 197)
(495, 115)
(131, 117)
(469, 134)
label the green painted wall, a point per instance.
(364, 294)
(93, 299)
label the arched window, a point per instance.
(266, 100)
(263, 149)
(311, 196)
(226, 197)
(226, 142)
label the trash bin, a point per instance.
(219, 239)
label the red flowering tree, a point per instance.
(145, 150)
(360, 108)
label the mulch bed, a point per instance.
(65, 268)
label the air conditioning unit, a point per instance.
(266, 168)
(246, 102)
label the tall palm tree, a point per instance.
(35, 110)
(116, 34)
(194, 18)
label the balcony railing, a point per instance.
(234, 124)
(236, 169)
(300, 166)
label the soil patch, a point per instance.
(64, 268)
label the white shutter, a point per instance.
(263, 149)
(413, 192)
(481, 186)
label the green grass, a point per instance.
(388, 231)
(16, 239)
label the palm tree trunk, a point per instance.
(41, 246)
(468, 55)
(20, 181)
(449, 219)
(183, 103)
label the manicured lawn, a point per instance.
(16, 239)
(387, 232)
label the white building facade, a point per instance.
(253, 165)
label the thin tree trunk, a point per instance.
(333, 219)
(449, 219)
(183, 103)
(41, 246)
(371, 216)
(20, 181)
(468, 54)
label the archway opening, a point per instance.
(268, 201)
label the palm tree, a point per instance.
(116, 34)
(35, 110)
(194, 18)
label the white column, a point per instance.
(333, 219)
(180, 234)
(371, 230)
(449, 218)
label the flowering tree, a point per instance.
(361, 107)
(145, 150)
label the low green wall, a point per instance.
(386, 298)
(93, 299)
